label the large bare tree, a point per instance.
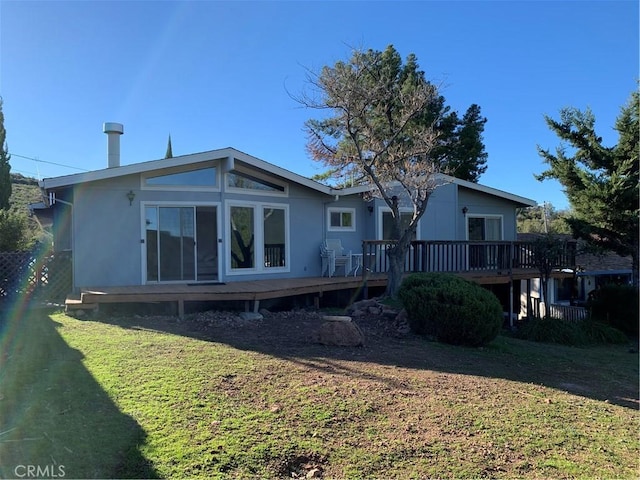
(383, 129)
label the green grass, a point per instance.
(147, 398)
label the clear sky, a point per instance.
(216, 74)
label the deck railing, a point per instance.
(568, 312)
(463, 256)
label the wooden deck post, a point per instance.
(511, 302)
(181, 309)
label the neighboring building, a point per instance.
(572, 286)
(225, 216)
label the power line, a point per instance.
(50, 163)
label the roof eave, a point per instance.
(136, 168)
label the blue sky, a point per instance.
(215, 74)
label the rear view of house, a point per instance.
(224, 216)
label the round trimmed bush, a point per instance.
(451, 309)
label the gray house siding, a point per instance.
(483, 204)
(112, 236)
(106, 232)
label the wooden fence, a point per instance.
(41, 278)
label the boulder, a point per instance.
(252, 316)
(339, 331)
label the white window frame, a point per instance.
(143, 234)
(258, 228)
(382, 210)
(181, 169)
(250, 191)
(485, 216)
(341, 210)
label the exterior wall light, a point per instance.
(464, 210)
(131, 196)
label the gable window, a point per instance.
(252, 184)
(341, 219)
(201, 178)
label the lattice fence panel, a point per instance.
(45, 279)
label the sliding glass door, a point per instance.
(181, 243)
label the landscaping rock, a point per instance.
(314, 473)
(251, 316)
(339, 331)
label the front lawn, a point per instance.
(152, 397)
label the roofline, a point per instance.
(135, 168)
(527, 202)
(463, 183)
(613, 271)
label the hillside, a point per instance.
(25, 190)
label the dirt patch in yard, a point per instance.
(388, 342)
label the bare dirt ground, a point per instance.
(388, 341)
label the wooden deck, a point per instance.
(252, 292)
(249, 291)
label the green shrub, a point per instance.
(599, 333)
(577, 334)
(451, 309)
(617, 305)
(553, 330)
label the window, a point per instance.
(563, 289)
(245, 181)
(274, 237)
(387, 224)
(341, 219)
(487, 228)
(202, 178)
(242, 237)
(258, 238)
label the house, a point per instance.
(226, 216)
(572, 286)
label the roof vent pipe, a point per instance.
(113, 131)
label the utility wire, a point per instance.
(50, 163)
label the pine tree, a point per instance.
(5, 167)
(169, 153)
(469, 158)
(601, 182)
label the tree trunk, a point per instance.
(396, 269)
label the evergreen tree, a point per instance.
(543, 219)
(601, 182)
(469, 158)
(5, 167)
(169, 152)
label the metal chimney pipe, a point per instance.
(113, 131)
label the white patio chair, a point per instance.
(334, 256)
